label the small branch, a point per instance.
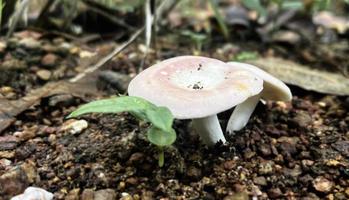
(159, 11)
(107, 15)
(16, 16)
(115, 52)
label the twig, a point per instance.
(106, 15)
(164, 5)
(16, 16)
(108, 57)
(148, 31)
(44, 12)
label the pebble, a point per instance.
(107, 194)
(13, 64)
(275, 193)
(73, 195)
(260, 180)
(61, 100)
(302, 119)
(266, 167)
(74, 126)
(342, 147)
(7, 154)
(30, 43)
(27, 133)
(8, 142)
(265, 149)
(34, 193)
(44, 74)
(322, 184)
(5, 90)
(5, 163)
(87, 194)
(49, 60)
(15, 180)
(194, 172)
(237, 196)
(116, 80)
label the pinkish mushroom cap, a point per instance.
(194, 87)
(273, 89)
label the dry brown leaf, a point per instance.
(304, 76)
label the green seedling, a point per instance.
(245, 56)
(198, 38)
(160, 133)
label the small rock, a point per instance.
(27, 133)
(237, 196)
(342, 146)
(17, 179)
(322, 184)
(5, 90)
(260, 180)
(230, 164)
(137, 157)
(13, 64)
(30, 43)
(5, 163)
(132, 181)
(32, 193)
(194, 172)
(302, 119)
(74, 126)
(49, 60)
(275, 193)
(73, 195)
(8, 142)
(294, 172)
(61, 100)
(333, 162)
(87, 194)
(266, 167)
(126, 196)
(347, 191)
(265, 149)
(44, 74)
(115, 80)
(288, 148)
(107, 194)
(3, 46)
(7, 154)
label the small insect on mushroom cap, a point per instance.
(194, 86)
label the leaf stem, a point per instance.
(161, 157)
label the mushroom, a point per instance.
(196, 88)
(273, 89)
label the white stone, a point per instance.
(34, 193)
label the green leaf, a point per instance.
(255, 5)
(161, 117)
(293, 5)
(246, 55)
(114, 105)
(219, 18)
(160, 137)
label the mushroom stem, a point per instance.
(242, 114)
(209, 130)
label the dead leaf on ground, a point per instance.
(10, 109)
(304, 76)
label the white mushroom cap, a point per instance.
(195, 87)
(273, 88)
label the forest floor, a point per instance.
(288, 150)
